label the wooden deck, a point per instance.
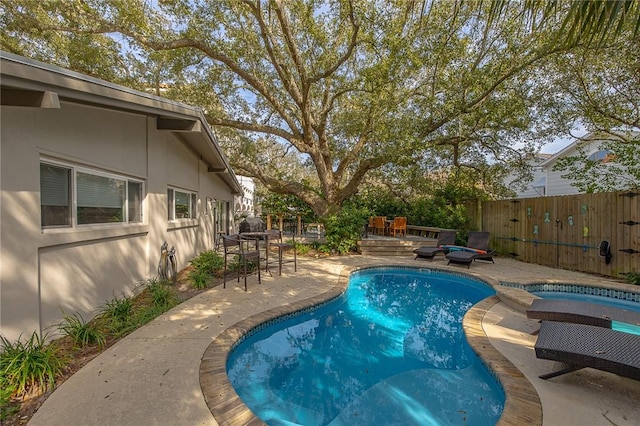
(378, 245)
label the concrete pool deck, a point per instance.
(153, 376)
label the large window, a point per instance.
(98, 197)
(181, 204)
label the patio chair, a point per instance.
(581, 313)
(236, 246)
(445, 238)
(580, 346)
(379, 225)
(370, 226)
(477, 248)
(275, 241)
(399, 226)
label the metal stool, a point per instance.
(274, 240)
(235, 245)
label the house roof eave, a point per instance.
(59, 84)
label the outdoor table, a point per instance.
(387, 226)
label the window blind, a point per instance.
(54, 185)
(99, 191)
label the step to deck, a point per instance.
(392, 246)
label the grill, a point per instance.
(252, 224)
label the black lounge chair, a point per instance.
(477, 248)
(445, 238)
(580, 346)
(581, 312)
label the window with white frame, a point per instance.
(76, 196)
(181, 204)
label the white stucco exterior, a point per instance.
(244, 204)
(53, 115)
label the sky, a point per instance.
(561, 142)
(556, 145)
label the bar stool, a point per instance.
(235, 245)
(274, 240)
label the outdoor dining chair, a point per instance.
(379, 225)
(398, 226)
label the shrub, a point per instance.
(81, 332)
(303, 249)
(208, 262)
(199, 278)
(633, 278)
(118, 309)
(161, 295)
(205, 264)
(117, 313)
(28, 367)
(345, 229)
(6, 408)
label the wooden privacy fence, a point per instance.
(566, 231)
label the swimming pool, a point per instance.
(604, 300)
(390, 350)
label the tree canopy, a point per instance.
(312, 98)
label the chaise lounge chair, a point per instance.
(580, 346)
(581, 313)
(445, 238)
(477, 248)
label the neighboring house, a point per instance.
(536, 187)
(549, 182)
(94, 177)
(589, 146)
(245, 204)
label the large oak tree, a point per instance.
(312, 97)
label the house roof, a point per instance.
(588, 138)
(26, 82)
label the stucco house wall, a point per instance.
(53, 116)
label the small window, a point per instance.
(181, 204)
(603, 156)
(55, 195)
(134, 201)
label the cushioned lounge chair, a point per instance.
(581, 313)
(477, 248)
(580, 346)
(445, 238)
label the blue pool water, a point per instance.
(390, 351)
(609, 301)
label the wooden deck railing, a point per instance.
(423, 231)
